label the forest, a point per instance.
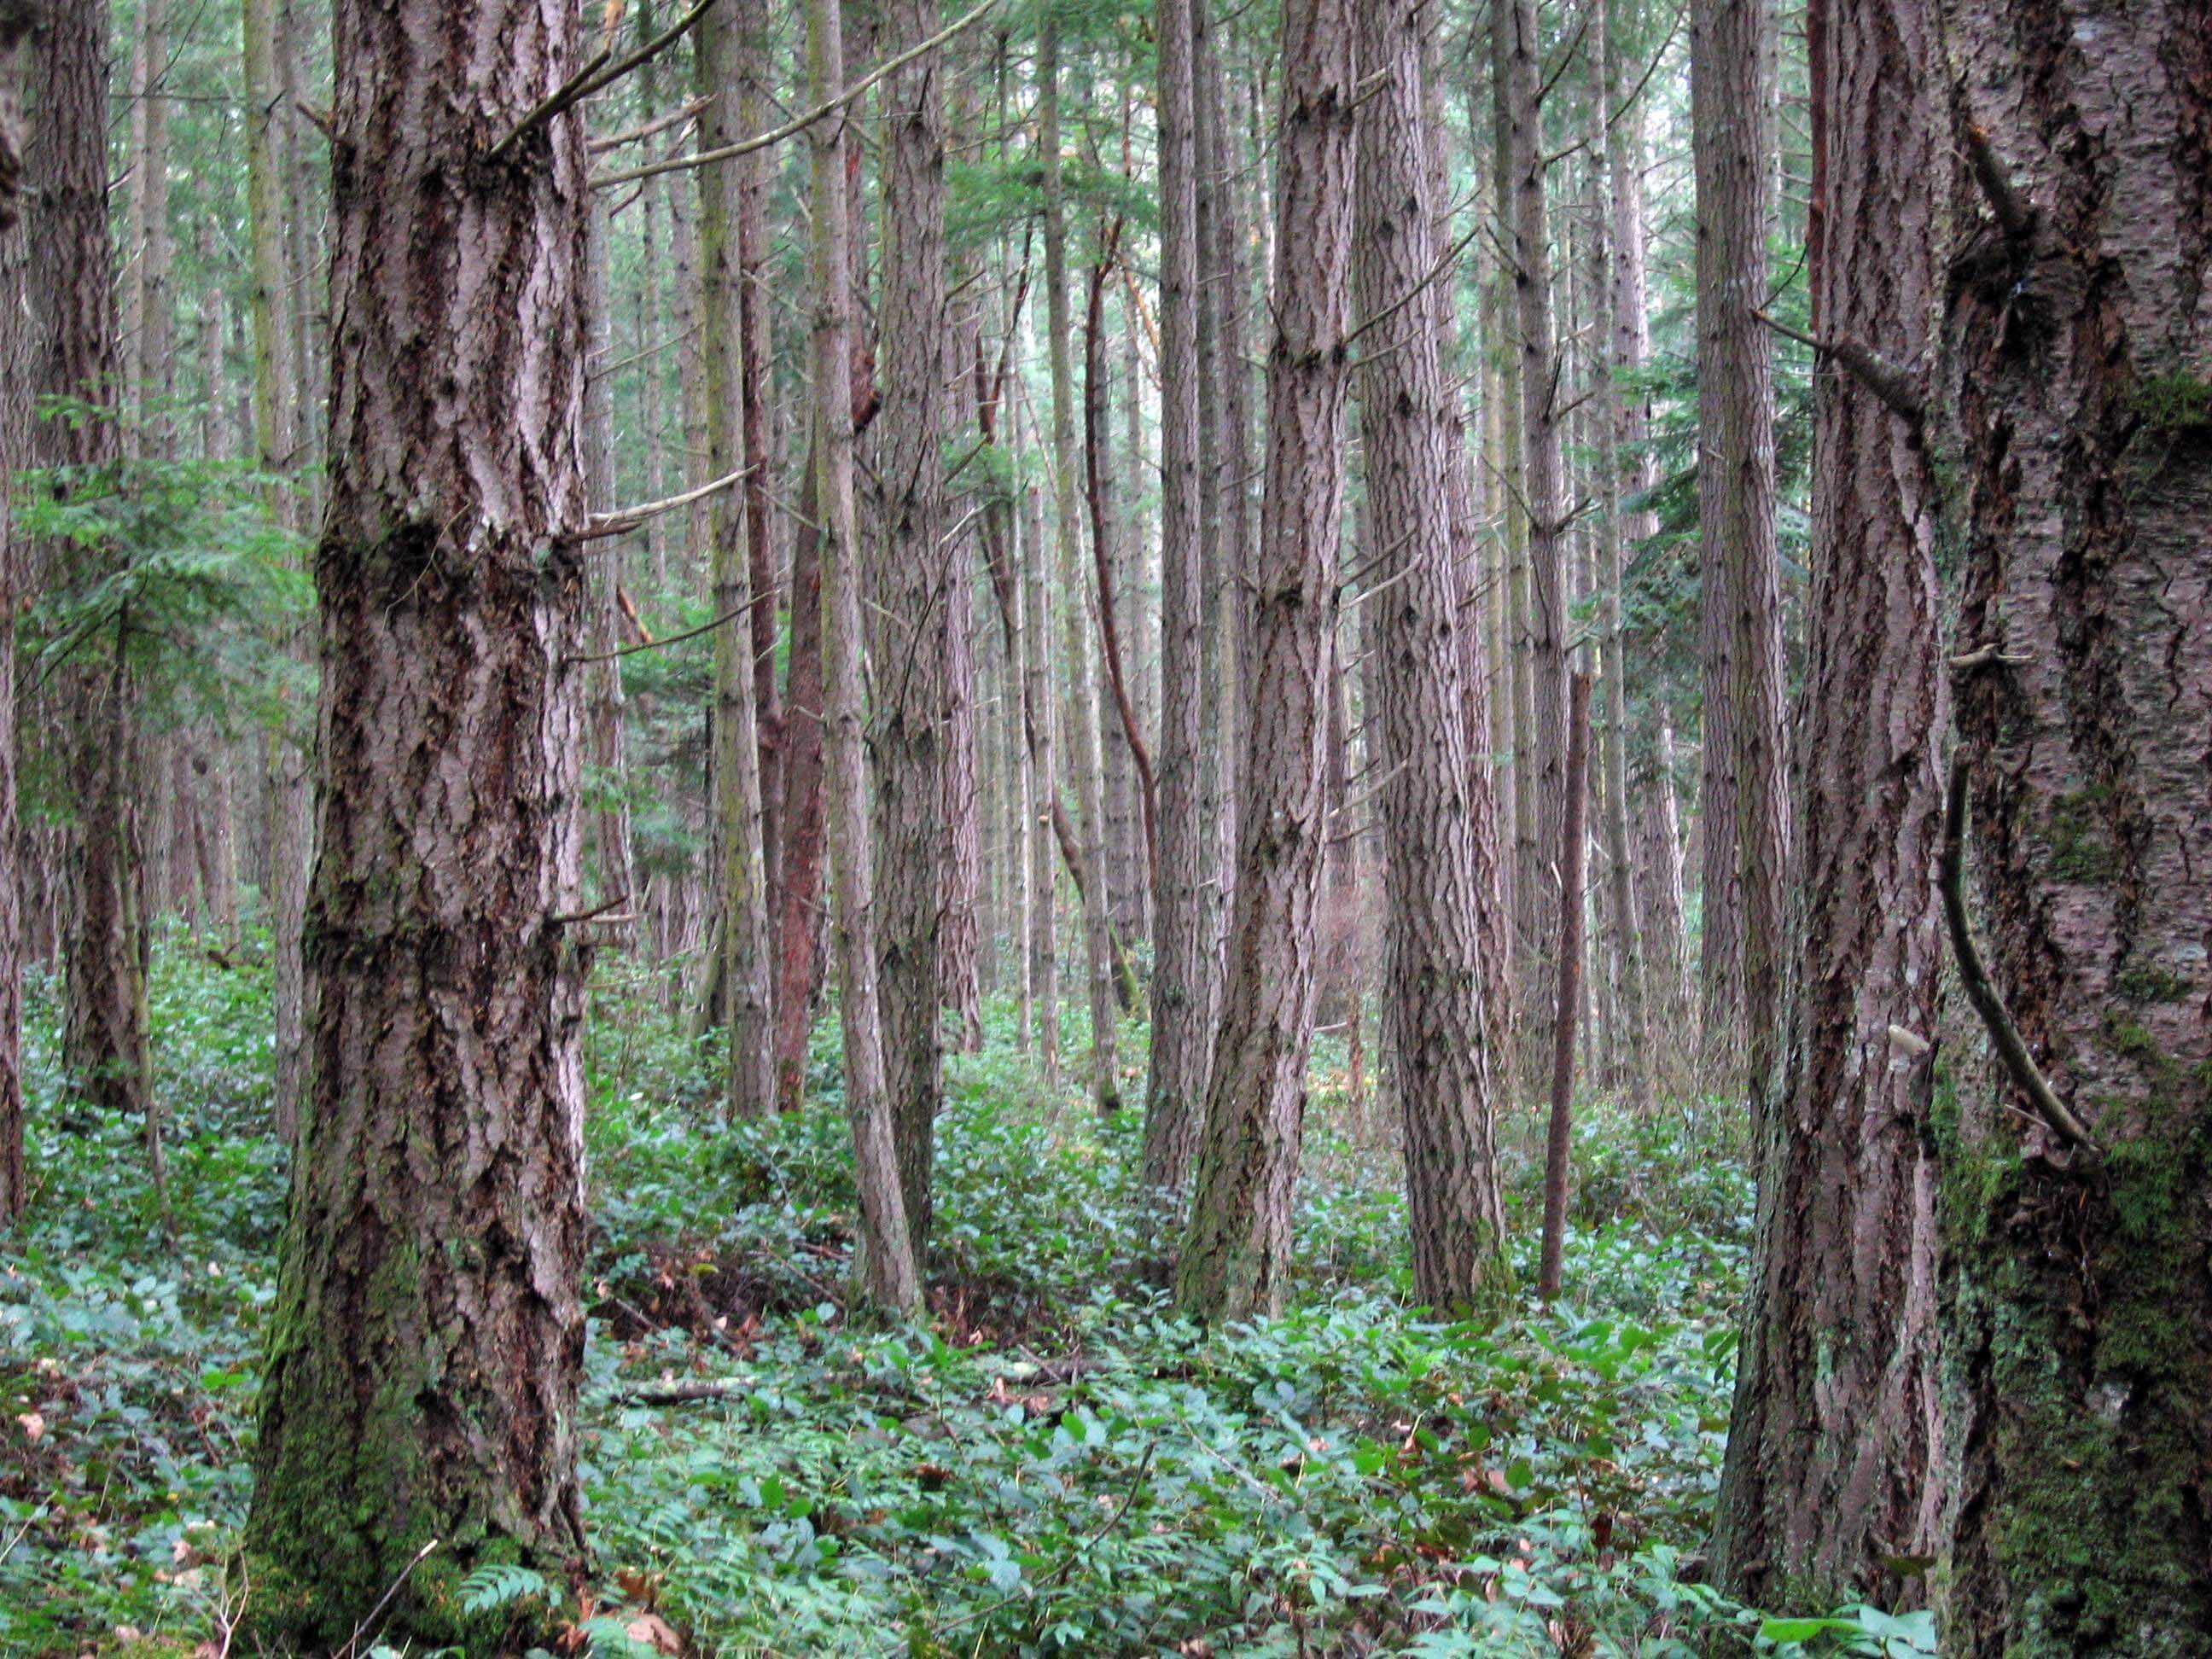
(1184, 828)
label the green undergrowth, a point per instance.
(1052, 1462)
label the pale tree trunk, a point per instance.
(890, 1275)
(427, 1338)
(910, 588)
(2073, 406)
(741, 887)
(1236, 1253)
(1082, 724)
(1039, 710)
(103, 1046)
(1744, 811)
(1436, 810)
(609, 790)
(1519, 50)
(1566, 1005)
(959, 942)
(752, 71)
(277, 441)
(17, 22)
(1831, 1455)
(1175, 1093)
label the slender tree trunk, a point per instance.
(959, 947)
(752, 71)
(1830, 1470)
(799, 888)
(747, 996)
(890, 1273)
(1559, 1144)
(911, 587)
(609, 790)
(2073, 404)
(17, 23)
(277, 435)
(1745, 810)
(427, 1338)
(1436, 810)
(1082, 724)
(1175, 1093)
(1236, 1253)
(1038, 709)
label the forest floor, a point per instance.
(1052, 1463)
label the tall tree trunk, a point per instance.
(1175, 1093)
(1082, 724)
(610, 789)
(741, 887)
(798, 888)
(911, 585)
(1566, 1005)
(1518, 49)
(1838, 1424)
(1038, 710)
(1744, 809)
(104, 1045)
(2073, 405)
(1236, 1254)
(752, 71)
(1436, 810)
(17, 23)
(427, 1338)
(277, 435)
(890, 1274)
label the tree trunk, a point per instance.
(890, 1275)
(752, 71)
(1559, 1146)
(427, 1338)
(1038, 711)
(104, 1045)
(610, 789)
(1175, 1093)
(911, 587)
(741, 887)
(16, 25)
(1236, 1253)
(1519, 51)
(2074, 421)
(1082, 725)
(1837, 1419)
(1744, 809)
(1436, 812)
(798, 888)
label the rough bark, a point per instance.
(1436, 810)
(2074, 412)
(1039, 709)
(1235, 1253)
(1175, 1092)
(16, 23)
(1566, 1003)
(1744, 806)
(752, 71)
(890, 1274)
(911, 581)
(104, 1043)
(610, 788)
(799, 888)
(427, 1337)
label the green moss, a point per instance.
(2146, 983)
(2175, 403)
(2081, 847)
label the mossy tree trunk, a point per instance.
(2075, 416)
(427, 1338)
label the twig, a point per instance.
(353, 1642)
(675, 1394)
(2014, 216)
(1892, 386)
(588, 915)
(621, 522)
(666, 639)
(2004, 1035)
(597, 74)
(1983, 656)
(1444, 263)
(799, 123)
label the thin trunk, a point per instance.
(891, 1277)
(1436, 810)
(16, 369)
(1038, 710)
(610, 789)
(1236, 1253)
(910, 586)
(1175, 1093)
(754, 63)
(1559, 1144)
(799, 888)
(741, 886)
(427, 1338)
(1082, 724)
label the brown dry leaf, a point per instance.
(33, 1426)
(652, 1628)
